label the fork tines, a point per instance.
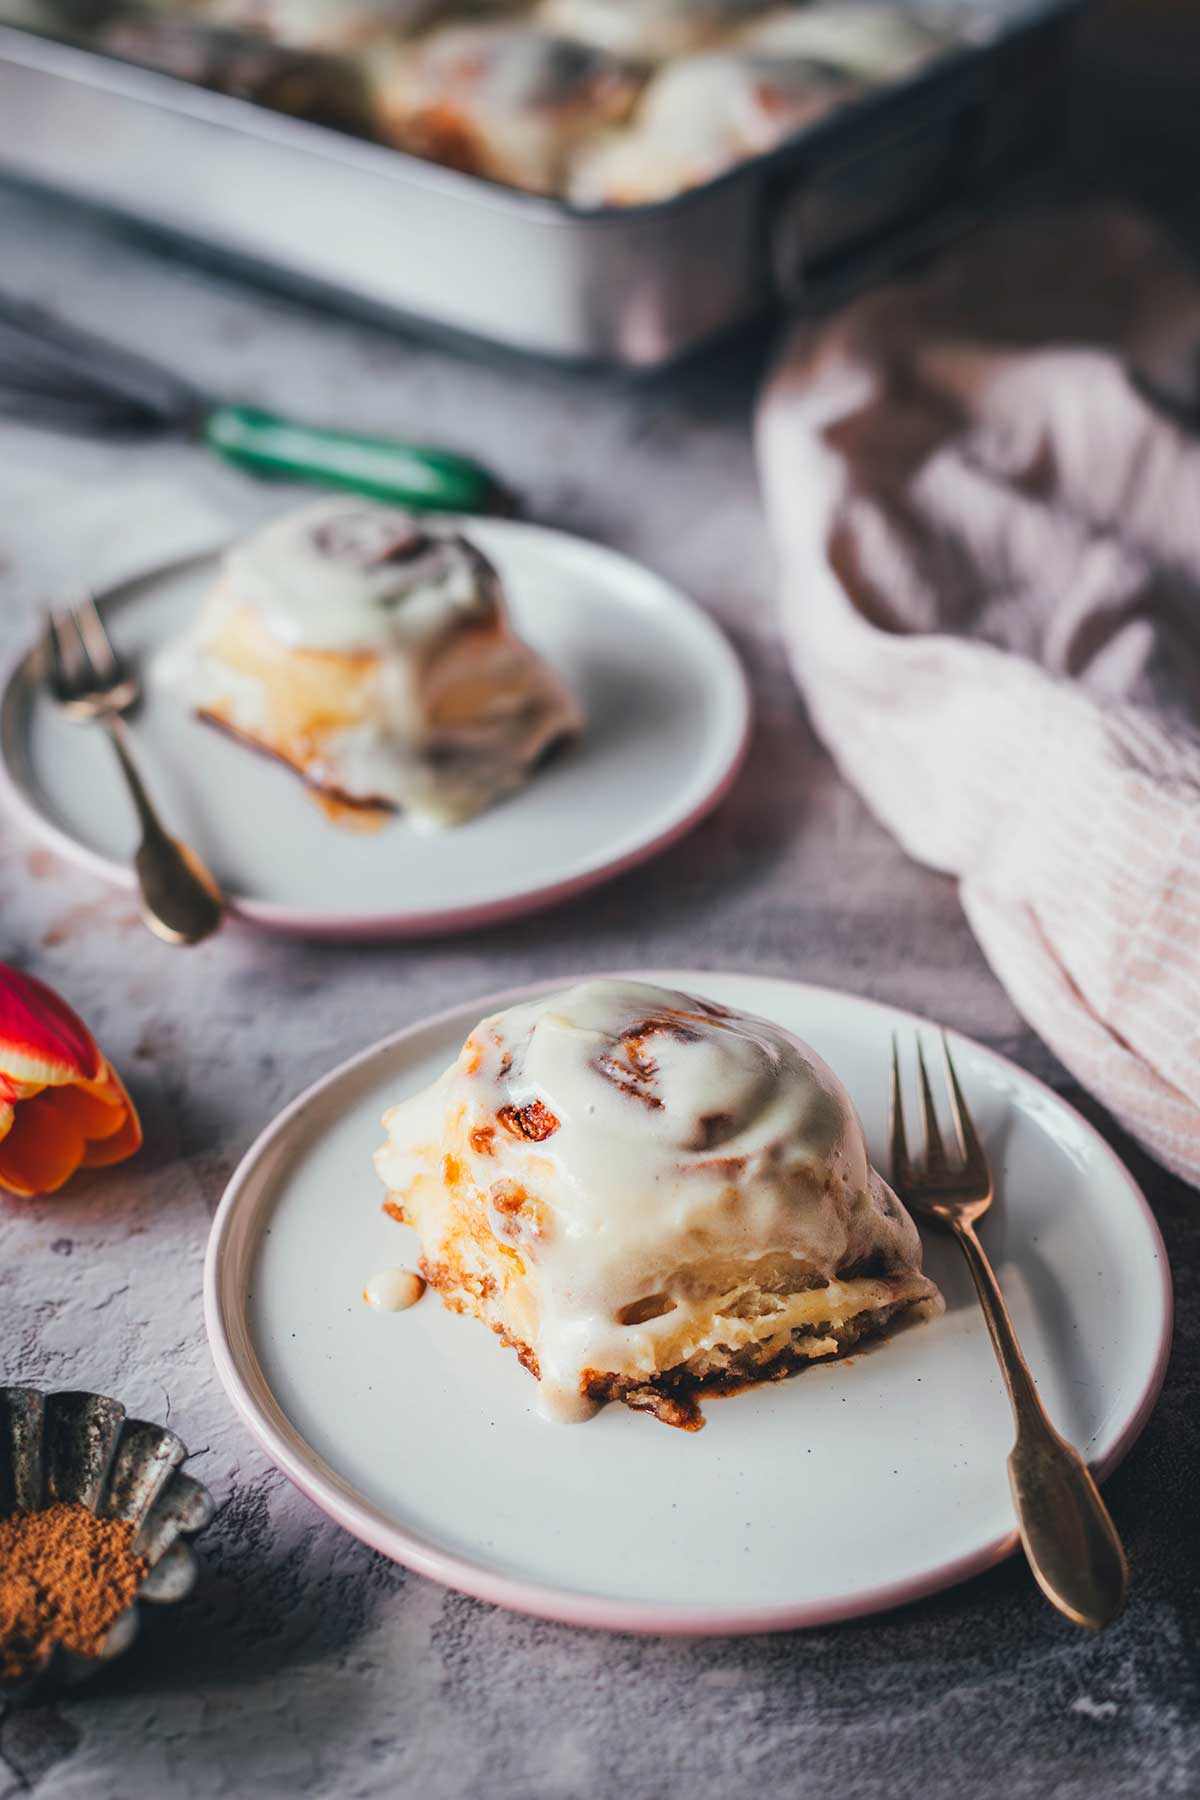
(973, 1159)
(80, 655)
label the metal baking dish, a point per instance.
(634, 286)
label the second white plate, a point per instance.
(668, 718)
(854, 1486)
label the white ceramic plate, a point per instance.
(852, 1487)
(668, 717)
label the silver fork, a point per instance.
(180, 901)
(1069, 1538)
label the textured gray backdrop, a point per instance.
(305, 1665)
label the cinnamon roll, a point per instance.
(501, 100)
(376, 658)
(649, 1196)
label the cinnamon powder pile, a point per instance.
(65, 1577)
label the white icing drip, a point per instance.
(393, 1290)
(564, 1405)
(664, 1138)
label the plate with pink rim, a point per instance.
(855, 1486)
(668, 714)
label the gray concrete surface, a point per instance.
(306, 1665)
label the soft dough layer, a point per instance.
(649, 1195)
(377, 659)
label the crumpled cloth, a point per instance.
(989, 549)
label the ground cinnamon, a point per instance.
(65, 1577)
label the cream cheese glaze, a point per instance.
(641, 1148)
(376, 657)
(350, 576)
(393, 1290)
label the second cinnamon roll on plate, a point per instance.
(375, 657)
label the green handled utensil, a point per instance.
(266, 444)
(53, 374)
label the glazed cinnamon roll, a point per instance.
(376, 658)
(500, 100)
(648, 1197)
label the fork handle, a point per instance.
(181, 903)
(1069, 1537)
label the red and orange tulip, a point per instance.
(62, 1107)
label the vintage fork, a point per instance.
(1069, 1538)
(180, 901)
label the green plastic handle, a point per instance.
(432, 480)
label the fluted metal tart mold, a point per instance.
(83, 1447)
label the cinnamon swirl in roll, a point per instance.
(376, 658)
(648, 1197)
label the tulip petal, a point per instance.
(43, 1147)
(92, 1116)
(61, 1104)
(101, 1153)
(41, 1039)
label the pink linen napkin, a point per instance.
(989, 543)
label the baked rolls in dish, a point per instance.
(376, 658)
(499, 100)
(601, 102)
(649, 1196)
(701, 116)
